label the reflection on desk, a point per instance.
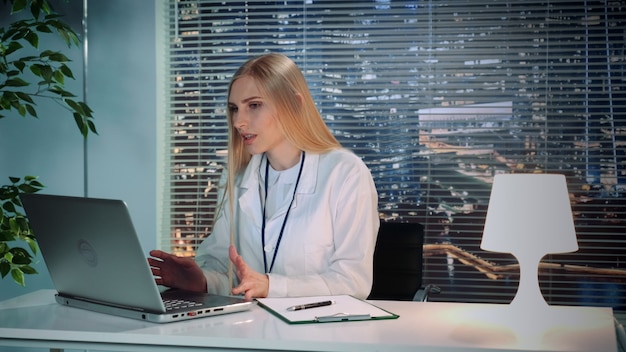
(36, 320)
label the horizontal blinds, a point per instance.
(437, 97)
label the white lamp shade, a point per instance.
(529, 212)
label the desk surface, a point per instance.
(36, 320)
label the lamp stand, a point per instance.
(529, 294)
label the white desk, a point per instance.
(35, 320)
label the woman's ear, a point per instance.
(300, 98)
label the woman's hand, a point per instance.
(176, 272)
(252, 284)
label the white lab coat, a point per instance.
(329, 238)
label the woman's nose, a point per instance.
(239, 120)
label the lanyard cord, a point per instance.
(280, 236)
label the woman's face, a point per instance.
(255, 118)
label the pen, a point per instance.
(310, 305)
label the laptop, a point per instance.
(96, 262)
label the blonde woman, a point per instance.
(305, 216)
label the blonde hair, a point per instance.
(281, 82)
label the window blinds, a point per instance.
(437, 97)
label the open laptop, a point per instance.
(96, 262)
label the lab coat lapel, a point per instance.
(308, 180)
(309, 174)
(249, 197)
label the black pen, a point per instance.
(310, 305)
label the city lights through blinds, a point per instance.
(437, 97)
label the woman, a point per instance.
(305, 218)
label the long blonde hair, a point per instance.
(282, 83)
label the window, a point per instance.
(437, 97)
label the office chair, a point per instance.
(398, 263)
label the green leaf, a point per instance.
(60, 91)
(19, 33)
(46, 53)
(16, 82)
(59, 77)
(25, 97)
(65, 31)
(74, 105)
(65, 36)
(14, 30)
(35, 9)
(32, 244)
(18, 276)
(13, 47)
(14, 179)
(15, 103)
(13, 225)
(42, 27)
(58, 57)
(29, 58)
(24, 226)
(31, 110)
(8, 97)
(86, 109)
(26, 188)
(8, 207)
(73, 38)
(5, 236)
(18, 5)
(46, 73)
(81, 124)
(20, 256)
(45, 6)
(29, 270)
(32, 38)
(92, 127)
(36, 69)
(66, 71)
(5, 102)
(5, 267)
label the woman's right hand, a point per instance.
(176, 272)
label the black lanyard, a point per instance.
(280, 236)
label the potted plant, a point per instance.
(30, 73)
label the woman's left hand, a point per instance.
(252, 284)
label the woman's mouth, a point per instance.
(248, 138)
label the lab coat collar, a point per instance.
(249, 196)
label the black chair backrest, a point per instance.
(398, 261)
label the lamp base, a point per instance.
(529, 294)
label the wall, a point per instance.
(120, 88)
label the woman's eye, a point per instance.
(232, 109)
(255, 105)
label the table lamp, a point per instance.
(529, 216)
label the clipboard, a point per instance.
(344, 308)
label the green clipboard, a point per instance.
(344, 308)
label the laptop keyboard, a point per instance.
(173, 304)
